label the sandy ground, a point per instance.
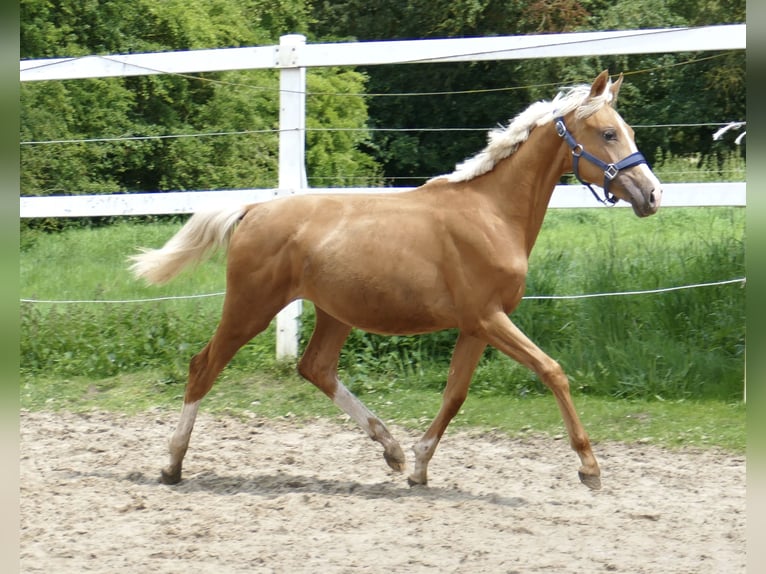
(316, 497)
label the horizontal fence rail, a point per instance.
(706, 38)
(179, 202)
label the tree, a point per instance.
(678, 88)
(661, 89)
(242, 104)
(470, 95)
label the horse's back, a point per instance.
(369, 260)
(354, 222)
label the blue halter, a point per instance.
(610, 169)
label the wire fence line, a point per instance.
(119, 139)
(741, 280)
(364, 129)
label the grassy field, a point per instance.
(673, 424)
(666, 368)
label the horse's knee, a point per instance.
(553, 376)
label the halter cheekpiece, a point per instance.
(611, 170)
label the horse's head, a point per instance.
(604, 151)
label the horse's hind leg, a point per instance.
(319, 364)
(234, 330)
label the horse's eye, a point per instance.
(610, 135)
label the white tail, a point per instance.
(203, 233)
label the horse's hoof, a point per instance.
(170, 477)
(395, 458)
(592, 481)
(416, 482)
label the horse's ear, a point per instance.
(599, 84)
(615, 88)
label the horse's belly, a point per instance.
(386, 307)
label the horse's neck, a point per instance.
(523, 183)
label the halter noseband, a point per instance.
(610, 169)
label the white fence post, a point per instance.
(292, 165)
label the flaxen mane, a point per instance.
(504, 141)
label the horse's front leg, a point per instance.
(505, 336)
(466, 356)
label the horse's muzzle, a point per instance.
(646, 204)
(640, 188)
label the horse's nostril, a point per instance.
(652, 198)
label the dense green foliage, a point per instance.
(662, 89)
(681, 344)
(156, 106)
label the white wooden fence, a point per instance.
(293, 56)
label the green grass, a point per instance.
(672, 424)
(91, 264)
(679, 345)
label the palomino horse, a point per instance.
(450, 254)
